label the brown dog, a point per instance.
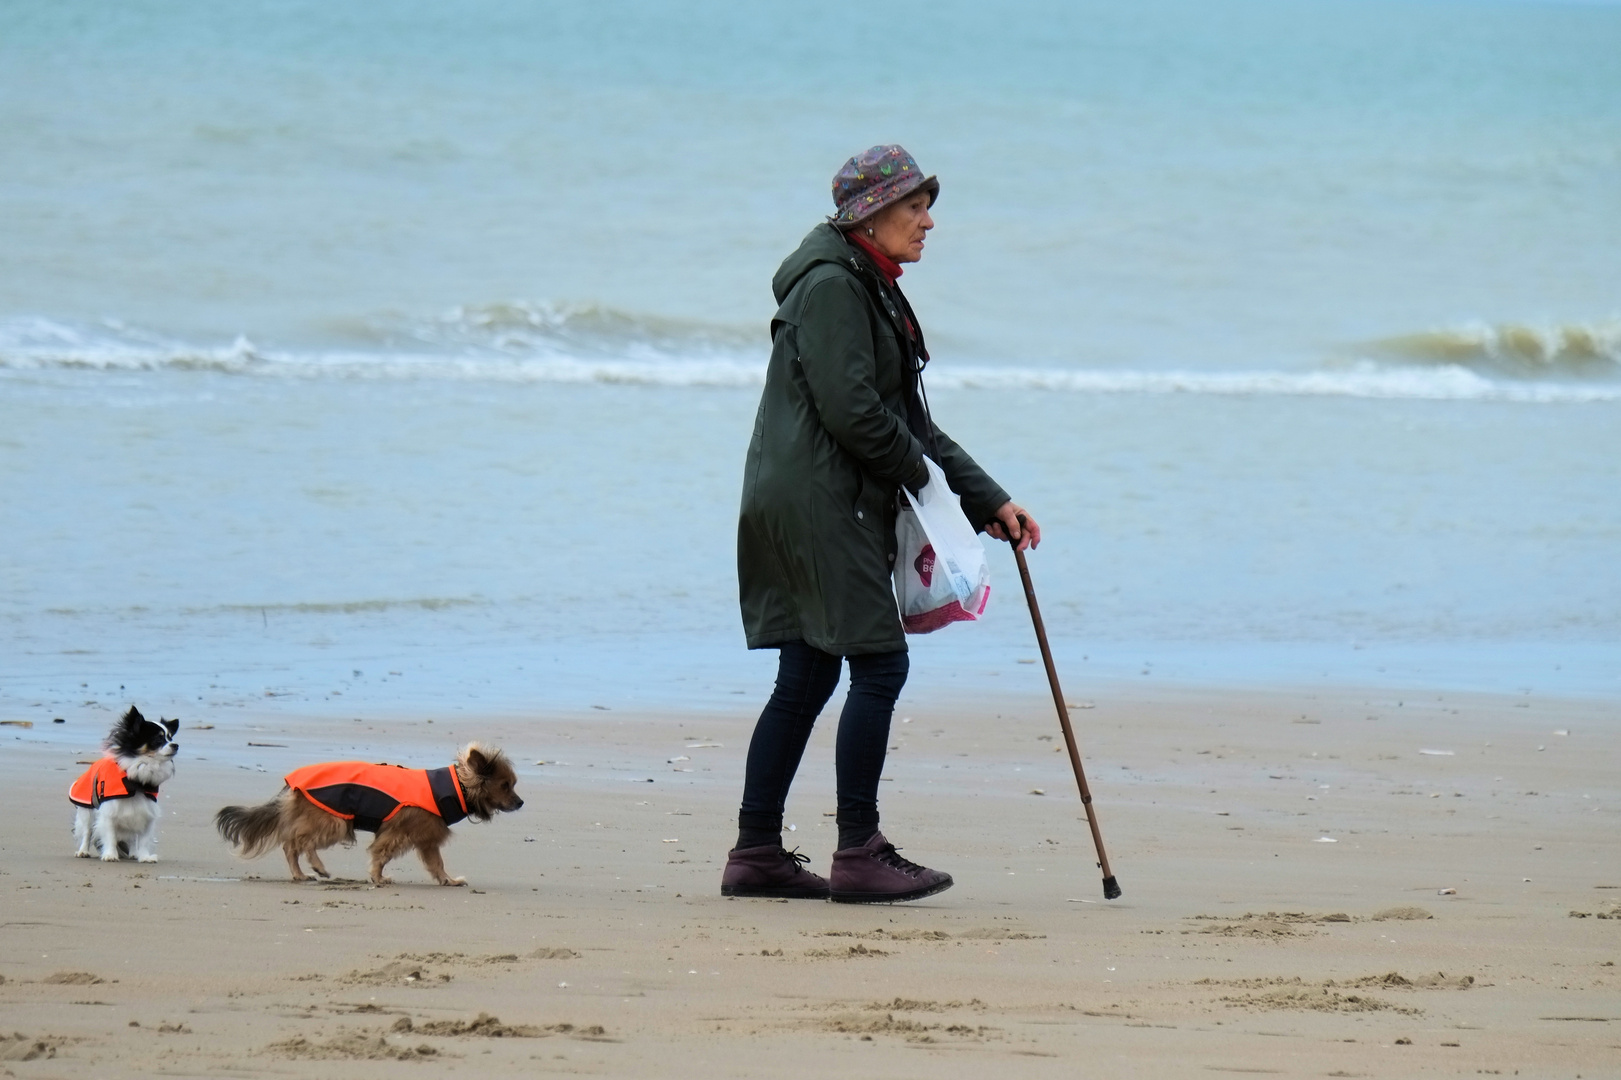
(323, 805)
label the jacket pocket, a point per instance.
(868, 510)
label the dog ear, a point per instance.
(133, 717)
(478, 761)
(172, 725)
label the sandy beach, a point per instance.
(1316, 884)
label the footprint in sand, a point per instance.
(490, 1027)
(20, 1047)
(72, 978)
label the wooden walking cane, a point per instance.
(1111, 887)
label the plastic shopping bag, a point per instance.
(941, 574)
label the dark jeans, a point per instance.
(806, 678)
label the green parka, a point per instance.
(831, 447)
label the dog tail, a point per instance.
(252, 830)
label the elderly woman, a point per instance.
(842, 425)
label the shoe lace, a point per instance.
(795, 857)
(890, 856)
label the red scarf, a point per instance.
(886, 266)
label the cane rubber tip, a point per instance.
(1111, 889)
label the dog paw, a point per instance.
(453, 881)
(381, 881)
(323, 875)
(110, 856)
(147, 858)
(81, 854)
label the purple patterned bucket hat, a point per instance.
(875, 178)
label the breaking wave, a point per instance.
(1570, 351)
(577, 330)
(518, 344)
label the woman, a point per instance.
(842, 425)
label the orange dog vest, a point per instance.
(370, 794)
(106, 780)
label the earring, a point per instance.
(870, 232)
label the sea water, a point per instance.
(403, 356)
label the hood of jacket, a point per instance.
(823, 244)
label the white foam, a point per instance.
(39, 345)
(1363, 381)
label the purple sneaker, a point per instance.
(771, 871)
(875, 873)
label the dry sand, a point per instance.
(593, 939)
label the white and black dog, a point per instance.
(116, 800)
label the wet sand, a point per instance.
(593, 939)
